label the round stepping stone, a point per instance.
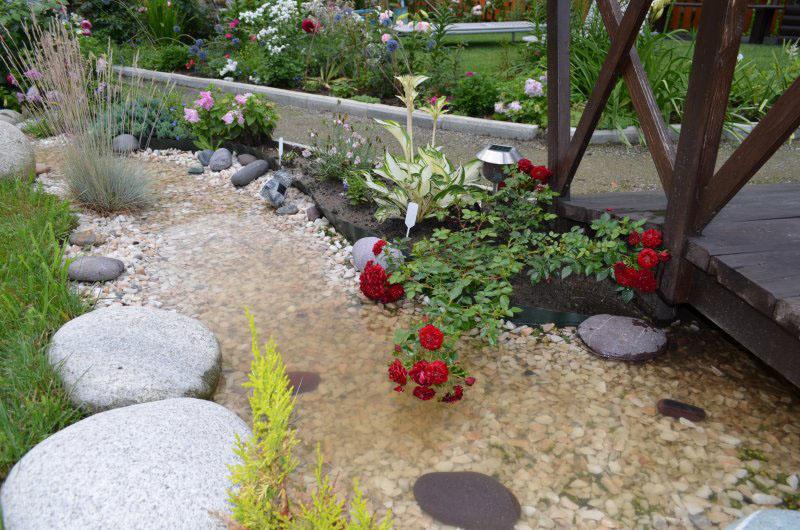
(120, 356)
(622, 338)
(246, 159)
(772, 519)
(221, 159)
(303, 382)
(125, 143)
(677, 409)
(94, 269)
(16, 152)
(249, 173)
(362, 253)
(468, 500)
(161, 465)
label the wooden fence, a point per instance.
(695, 191)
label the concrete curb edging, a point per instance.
(450, 122)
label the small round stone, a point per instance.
(125, 143)
(221, 159)
(95, 269)
(287, 209)
(468, 500)
(622, 338)
(119, 356)
(303, 382)
(246, 159)
(196, 170)
(204, 156)
(249, 173)
(85, 238)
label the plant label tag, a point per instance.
(280, 151)
(411, 216)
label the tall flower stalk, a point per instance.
(409, 83)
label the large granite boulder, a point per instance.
(119, 356)
(622, 338)
(10, 116)
(768, 520)
(95, 269)
(17, 158)
(161, 465)
(362, 253)
(249, 173)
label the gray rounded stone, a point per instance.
(125, 143)
(196, 170)
(95, 269)
(204, 156)
(86, 238)
(161, 465)
(246, 159)
(362, 253)
(10, 116)
(772, 519)
(468, 500)
(17, 158)
(287, 209)
(120, 356)
(221, 159)
(622, 338)
(249, 173)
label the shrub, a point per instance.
(216, 117)
(35, 300)
(475, 95)
(111, 19)
(167, 57)
(260, 498)
(523, 100)
(104, 182)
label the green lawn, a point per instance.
(35, 300)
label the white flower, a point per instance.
(739, 57)
(499, 107)
(533, 88)
(477, 10)
(514, 106)
(230, 68)
(306, 153)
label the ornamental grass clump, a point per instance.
(83, 99)
(264, 496)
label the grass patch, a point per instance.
(35, 300)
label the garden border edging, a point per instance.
(449, 122)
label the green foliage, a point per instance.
(111, 19)
(247, 118)
(167, 57)
(475, 95)
(162, 19)
(259, 494)
(106, 183)
(365, 99)
(38, 128)
(35, 300)
(145, 116)
(15, 14)
(531, 109)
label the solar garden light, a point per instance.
(495, 158)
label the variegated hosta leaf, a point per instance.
(400, 134)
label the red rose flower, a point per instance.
(377, 248)
(634, 238)
(647, 258)
(651, 238)
(431, 337)
(393, 293)
(418, 374)
(308, 25)
(501, 185)
(424, 393)
(397, 372)
(663, 256)
(455, 395)
(469, 381)
(399, 388)
(622, 274)
(646, 281)
(436, 372)
(374, 283)
(540, 173)
(525, 165)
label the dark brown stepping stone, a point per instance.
(622, 338)
(303, 381)
(466, 499)
(676, 409)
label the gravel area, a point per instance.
(576, 438)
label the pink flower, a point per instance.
(33, 74)
(233, 23)
(11, 80)
(253, 38)
(206, 100)
(470, 73)
(85, 24)
(241, 99)
(229, 35)
(385, 37)
(228, 118)
(239, 117)
(422, 26)
(191, 115)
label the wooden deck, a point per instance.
(747, 264)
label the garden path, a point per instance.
(576, 438)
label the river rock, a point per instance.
(125, 143)
(246, 159)
(303, 382)
(362, 253)
(772, 519)
(204, 156)
(10, 116)
(312, 213)
(468, 500)
(622, 338)
(119, 356)
(95, 269)
(287, 209)
(221, 159)
(249, 173)
(16, 153)
(161, 465)
(86, 238)
(196, 169)
(678, 409)
(274, 190)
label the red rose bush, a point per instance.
(641, 276)
(374, 281)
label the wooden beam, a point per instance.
(558, 91)
(655, 131)
(621, 44)
(762, 142)
(716, 48)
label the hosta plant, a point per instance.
(424, 176)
